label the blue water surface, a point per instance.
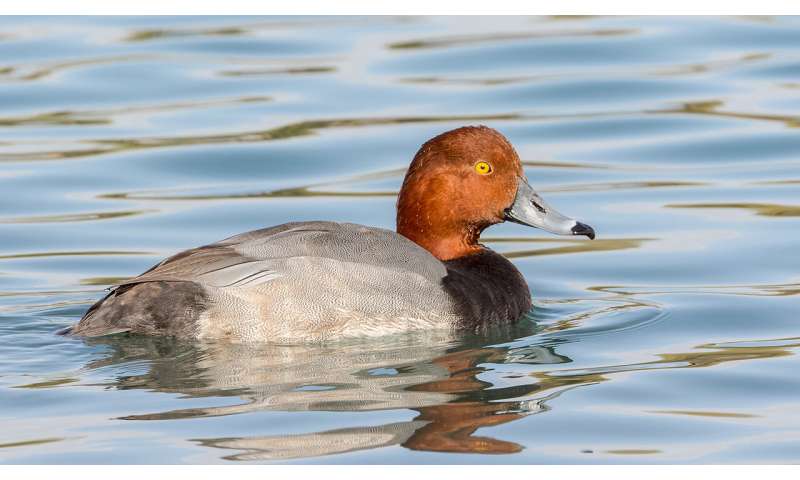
(672, 338)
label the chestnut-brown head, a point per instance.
(461, 182)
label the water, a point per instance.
(672, 338)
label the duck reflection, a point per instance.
(440, 378)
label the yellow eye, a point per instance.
(483, 168)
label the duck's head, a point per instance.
(463, 181)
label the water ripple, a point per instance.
(670, 338)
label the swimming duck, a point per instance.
(317, 281)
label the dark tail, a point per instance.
(64, 331)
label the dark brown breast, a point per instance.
(488, 289)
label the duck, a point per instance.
(317, 281)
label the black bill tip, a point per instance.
(583, 229)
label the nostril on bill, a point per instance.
(539, 207)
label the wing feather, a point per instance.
(258, 257)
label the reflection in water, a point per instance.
(693, 413)
(713, 65)
(778, 182)
(291, 130)
(606, 186)
(631, 120)
(76, 217)
(769, 290)
(334, 189)
(631, 312)
(457, 41)
(439, 378)
(49, 383)
(155, 34)
(278, 71)
(598, 245)
(29, 73)
(632, 451)
(330, 442)
(428, 375)
(108, 116)
(26, 443)
(103, 281)
(326, 189)
(763, 209)
(277, 193)
(143, 35)
(710, 355)
(69, 254)
(553, 164)
(309, 127)
(676, 70)
(711, 108)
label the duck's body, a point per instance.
(314, 281)
(311, 281)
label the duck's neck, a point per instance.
(430, 215)
(445, 242)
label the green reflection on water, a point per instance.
(603, 323)
(457, 41)
(144, 35)
(76, 217)
(27, 443)
(292, 130)
(762, 209)
(108, 116)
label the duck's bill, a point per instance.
(530, 209)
